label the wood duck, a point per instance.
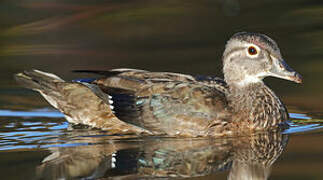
(162, 103)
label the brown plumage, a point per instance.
(173, 104)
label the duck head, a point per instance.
(250, 57)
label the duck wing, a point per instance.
(166, 103)
(125, 78)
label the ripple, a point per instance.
(301, 123)
(34, 113)
(44, 128)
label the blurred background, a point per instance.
(185, 36)
(159, 35)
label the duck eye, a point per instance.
(252, 50)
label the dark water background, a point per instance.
(160, 35)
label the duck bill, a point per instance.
(282, 70)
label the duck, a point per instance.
(132, 101)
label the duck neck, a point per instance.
(256, 104)
(242, 96)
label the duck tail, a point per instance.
(46, 84)
(71, 98)
(38, 80)
(81, 102)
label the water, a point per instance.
(176, 35)
(54, 149)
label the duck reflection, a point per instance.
(249, 157)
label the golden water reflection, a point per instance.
(249, 157)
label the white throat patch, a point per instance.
(252, 79)
(249, 80)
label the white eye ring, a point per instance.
(252, 51)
